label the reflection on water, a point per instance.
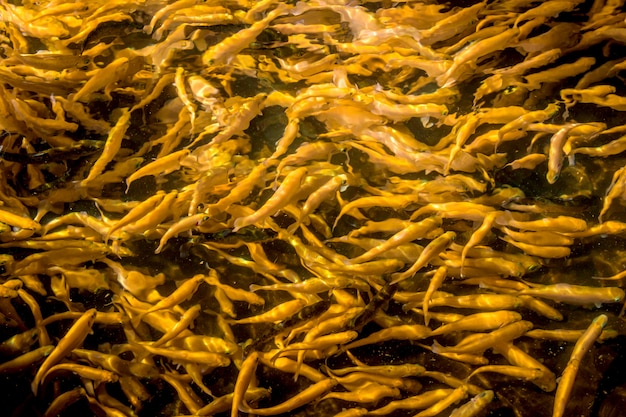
(312, 208)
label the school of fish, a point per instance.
(318, 207)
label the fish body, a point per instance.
(72, 339)
(278, 200)
(478, 343)
(566, 383)
(474, 406)
(576, 294)
(479, 322)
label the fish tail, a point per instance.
(136, 321)
(238, 224)
(292, 228)
(35, 384)
(436, 347)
